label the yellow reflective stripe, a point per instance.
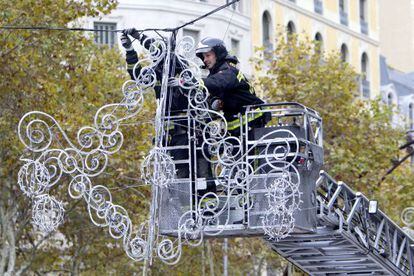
(201, 83)
(235, 123)
(169, 125)
(240, 76)
(130, 66)
(251, 90)
(255, 116)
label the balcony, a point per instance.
(318, 6)
(364, 26)
(343, 18)
(365, 89)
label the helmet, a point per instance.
(211, 44)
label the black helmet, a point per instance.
(211, 44)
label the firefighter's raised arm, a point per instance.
(130, 55)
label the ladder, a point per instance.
(349, 240)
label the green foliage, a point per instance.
(66, 75)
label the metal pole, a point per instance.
(225, 257)
(203, 259)
(145, 266)
(159, 138)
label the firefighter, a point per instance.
(229, 89)
(177, 103)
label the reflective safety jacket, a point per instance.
(232, 87)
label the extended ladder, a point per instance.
(348, 240)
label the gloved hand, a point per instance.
(126, 42)
(132, 32)
(173, 81)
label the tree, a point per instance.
(359, 140)
(66, 75)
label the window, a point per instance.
(364, 66)
(363, 16)
(192, 33)
(266, 31)
(235, 47)
(318, 6)
(343, 15)
(362, 10)
(104, 34)
(344, 53)
(389, 100)
(290, 28)
(319, 39)
(365, 76)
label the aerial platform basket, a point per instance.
(269, 185)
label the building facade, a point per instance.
(232, 24)
(397, 61)
(397, 33)
(346, 26)
(397, 90)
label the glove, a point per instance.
(132, 32)
(173, 81)
(126, 42)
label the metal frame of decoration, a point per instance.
(210, 214)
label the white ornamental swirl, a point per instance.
(278, 225)
(47, 213)
(158, 168)
(283, 194)
(33, 178)
(88, 157)
(84, 158)
(407, 216)
(282, 183)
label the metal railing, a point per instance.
(350, 239)
(310, 119)
(388, 244)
